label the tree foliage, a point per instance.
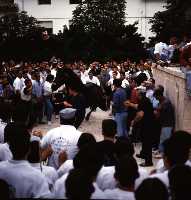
(18, 35)
(101, 16)
(7, 6)
(98, 32)
(175, 21)
(18, 25)
(100, 28)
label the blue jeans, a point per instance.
(49, 108)
(121, 120)
(166, 132)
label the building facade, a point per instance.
(54, 14)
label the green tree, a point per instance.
(7, 6)
(18, 25)
(19, 36)
(175, 21)
(98, 31)
(98, 15)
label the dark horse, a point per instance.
(93, 93)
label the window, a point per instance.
(70, 23)
(42, 2)
(48, 25)
(75, 1)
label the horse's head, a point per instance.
(62, 77)
(68, 77)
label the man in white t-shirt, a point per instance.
(63, 138)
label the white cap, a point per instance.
(67, 113)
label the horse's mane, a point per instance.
(71, 78)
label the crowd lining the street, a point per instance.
(66, 163)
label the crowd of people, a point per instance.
(66, 163)
(176, 51)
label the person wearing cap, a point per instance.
(63, 138)
(144, 115)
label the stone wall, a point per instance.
(174, 83)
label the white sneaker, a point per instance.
(49, 123)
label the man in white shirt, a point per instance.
(83, 74)
(18, 83)
(5, 153)
(35, 161)
(105, 178)
(126, 172)
(173, 155)
(92, 79)
(89, 159)
(2, 127)
(114, 69)
(63, 138)
(161, 51)
(110, 82)
(24, 181)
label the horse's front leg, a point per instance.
(88, 115)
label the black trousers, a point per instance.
(146, 139)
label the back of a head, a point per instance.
(180, 182)
(126, 171)
(85, 139)
(183, 137)
(79, 185)
(5, 112)
(158, 93)
(4, 190)
(109, 128)
(151, 188)
(19, 140)
(89, 158)
(176, 150)
(124, 146)
(49, 78)
(34, 154)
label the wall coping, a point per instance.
(175, 71)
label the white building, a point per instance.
(54, 14)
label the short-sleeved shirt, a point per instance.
(119, 97)
(61, 138)
(24, 181)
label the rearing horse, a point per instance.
(93, 93)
